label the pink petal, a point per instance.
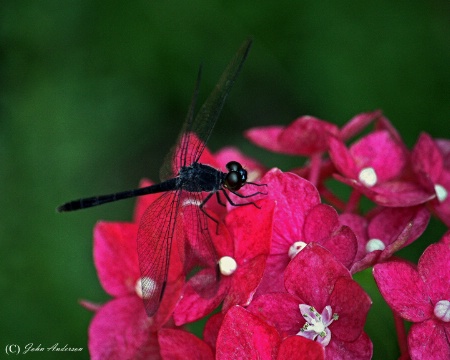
(360, 349)
(427, 340)
(434, 269)
(352, 304)
(426, 158)
(322, 226)
(244, 336)
(444, 148)
(373, 150)
(307, 135)
(311, 275)
(304, 136)
(442, 209)
(266, 137)
(115, 257)
(396, 193)
(300, 348)
(177, 344)
(342, 158)
(244, 282)
(320, 222)
(294, 197)
(122, 330)
(403, 289)
(398, 227)
(279, 310)
(358, 224)
(196, 302)
(211, 329)
(251, 228)
(358, 123)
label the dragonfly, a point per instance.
(187, 181)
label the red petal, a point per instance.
(434, 269)
(392, 193)
(352, 304)
(360, 349)
(178, 344)
(295, 197)
(279, 310)
(194, 303)
(427, 340)
(311, 275)
(322, 226)
(211, 330)
(403, 290)
(300, 348)
(115, 257)
(306, 135)
(244, 336)
(426, 158)
(122, 330)
(251, 228)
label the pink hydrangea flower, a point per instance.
(428, 161)
(245, 336)
(365, 167)
(300, 219)
(385, 232)
(421, 295)
(322, 303)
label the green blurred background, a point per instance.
(93, 93)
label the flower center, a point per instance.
(441, 192)
(368, 177)
(316, 326)
(442, 310)
(144, 287)
(227, 265)
(374, 244)
(295, 248)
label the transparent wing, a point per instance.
(188, 151)
(154, 244)
(199, 248)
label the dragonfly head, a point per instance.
(236, 176)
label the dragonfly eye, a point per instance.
(234, 180)
(234, 166)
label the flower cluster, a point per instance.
(285, 289)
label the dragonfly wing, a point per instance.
(196, 131)
(157, 230)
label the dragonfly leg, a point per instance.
(205, 200)
(241, 196)
(219, 200)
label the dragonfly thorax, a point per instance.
(200, 177)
